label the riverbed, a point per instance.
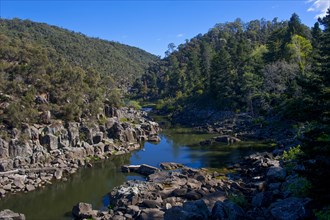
(92, 184)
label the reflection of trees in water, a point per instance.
(219, 155)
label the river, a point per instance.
(92, 184)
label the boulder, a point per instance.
(193, 195)
(50, 141)
(227, 210)
(153, 138)
(18, 181)
(130, 168)
(7, 187)
(151, 203)
(147, 170)
(6, 165)
(290, 209)
(276, 173)
(30, 187)
(189, 211)
(82, 210)
(151, 214)
(179, 192)
(170, 165)
(262, 199)
(219, 211)
(58, 174)
(7, 214)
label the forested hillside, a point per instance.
(268, 69)
(260, 67)
(49, 72)
(123, 63)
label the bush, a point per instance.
(299, 187)
(293, 154)
(134, 104)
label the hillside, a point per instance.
(123, 63)
(48, 72)
(251, 67)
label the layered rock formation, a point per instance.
(36, 154)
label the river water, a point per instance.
(92, 184)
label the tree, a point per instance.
(171, 48)
(317, 138)
(300, 50)
(222, 79)
(206, 63)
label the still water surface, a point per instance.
(92, 184)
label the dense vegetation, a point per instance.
(48, 71)
(255, 66)
(265, 68)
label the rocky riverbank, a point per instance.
(259, 187)
(38, 154)
(236, 125)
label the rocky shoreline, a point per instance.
(241, 126)
(259, 187)
(39, 154)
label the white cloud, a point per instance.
(179, 35)
(319, 6)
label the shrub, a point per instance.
(299, 187)
(292, 154)
(135, 104)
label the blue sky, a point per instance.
(152, 25)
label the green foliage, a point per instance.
(323, 214)
(122, 120)
(300, 50)
(299, 187)
(323, 138)
(293, 153)
(92, 158)
(255, 67)
(134, 104)
(111, 206)
(45, 68)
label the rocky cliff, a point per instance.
(36, 154)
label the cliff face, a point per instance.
(35, 154)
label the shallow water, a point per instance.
(92, 184)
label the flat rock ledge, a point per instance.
(257, 188)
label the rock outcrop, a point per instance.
(256, 188)
(37, 154)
